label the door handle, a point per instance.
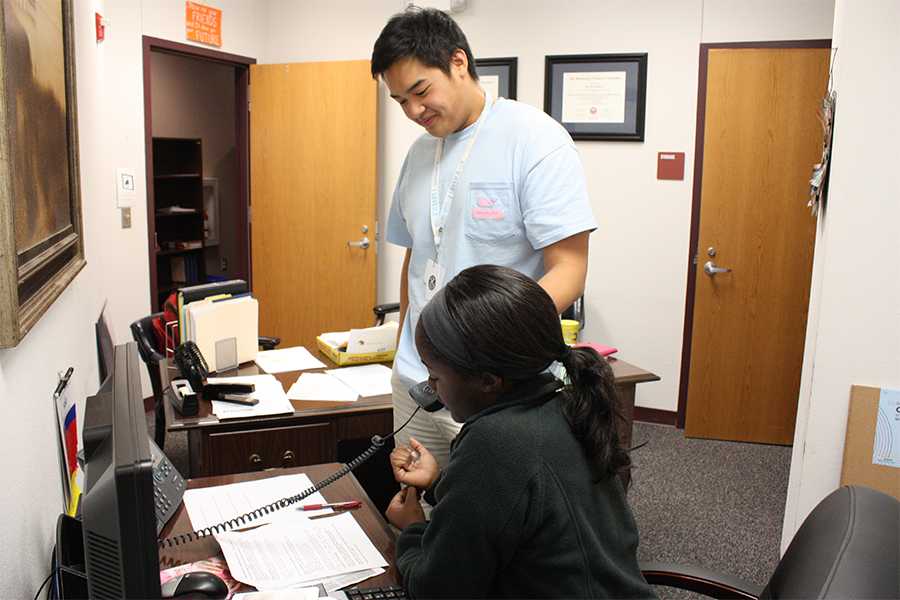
(711, 269)
(363, 243)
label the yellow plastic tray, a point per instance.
(341, 358)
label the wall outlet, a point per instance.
(126, 217)
(223, 264)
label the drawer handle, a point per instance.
(287, 459)
(256, 461)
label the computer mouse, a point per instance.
(198, 584)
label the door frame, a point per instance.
(687, 334)
(241, 66)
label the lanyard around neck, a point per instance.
(440, 210)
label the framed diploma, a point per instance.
(498, 76)
(597, 96)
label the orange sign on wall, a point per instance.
(203, 23)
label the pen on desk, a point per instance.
(349, 505)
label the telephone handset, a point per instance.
(191, 363)
(168, 487)
(424, 396)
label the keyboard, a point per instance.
(391, 592)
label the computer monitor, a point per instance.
(117, 507)
(104, 346)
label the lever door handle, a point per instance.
(363, 243)
(711, 269)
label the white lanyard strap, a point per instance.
(440, 210)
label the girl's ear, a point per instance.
(491, 384)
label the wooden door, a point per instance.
(312, 190)
(761, 138)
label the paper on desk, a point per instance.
(211, 505)
(298, 550)
(341, 581)
(296, 593)
(373, 339)
(366, 380)
(269, 392)
(283, 360)
(337, 339)
(321, 386)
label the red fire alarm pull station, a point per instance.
(101, 30)
(670, 165)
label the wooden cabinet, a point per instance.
(240, 447)
(177, 209)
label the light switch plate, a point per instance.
(126, 187)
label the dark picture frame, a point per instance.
(41, 243)
(597, 96)
(504, 69)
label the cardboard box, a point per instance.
(859, 442)
(341, 358)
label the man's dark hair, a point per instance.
(425, 34)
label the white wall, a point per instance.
(111, 134)
(853, 334)
(638, 268)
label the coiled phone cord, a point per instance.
(184, 538)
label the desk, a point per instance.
(347, 487)
(311, 434)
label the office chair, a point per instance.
(382, 310)
(143, 334)
(847, 547)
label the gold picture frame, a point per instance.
(41, 243)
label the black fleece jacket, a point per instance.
(519, 513)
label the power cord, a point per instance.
(377, 443)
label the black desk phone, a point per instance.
(168, 487)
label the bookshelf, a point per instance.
(178, 214)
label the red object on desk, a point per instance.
(335, 505)
(600, 348)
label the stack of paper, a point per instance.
(382, 338)
(291, 551)
(283, 360)
(269, 392)
(365, 380)
(321, 386)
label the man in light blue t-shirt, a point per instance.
(492, 181)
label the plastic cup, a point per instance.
(569, 330)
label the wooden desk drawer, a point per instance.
(276, 447)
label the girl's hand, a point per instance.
(414, 465)
(404, 509)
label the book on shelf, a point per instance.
(176, 210)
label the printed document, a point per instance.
(283, 360)
(321, 386)
(299, 550)
(887, 430)
(366, 380)
(269, 392)
(594, 97)
(211, 505)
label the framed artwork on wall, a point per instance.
(498, 76)
(41, 244)
(597, 96)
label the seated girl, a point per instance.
(530, 504)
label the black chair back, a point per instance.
(143, 334)
(848, 547)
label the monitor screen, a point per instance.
(118, 517)
(104, 346)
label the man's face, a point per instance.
(429, 96)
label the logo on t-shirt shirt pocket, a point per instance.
(492, 212)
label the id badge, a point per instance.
(434, 278)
